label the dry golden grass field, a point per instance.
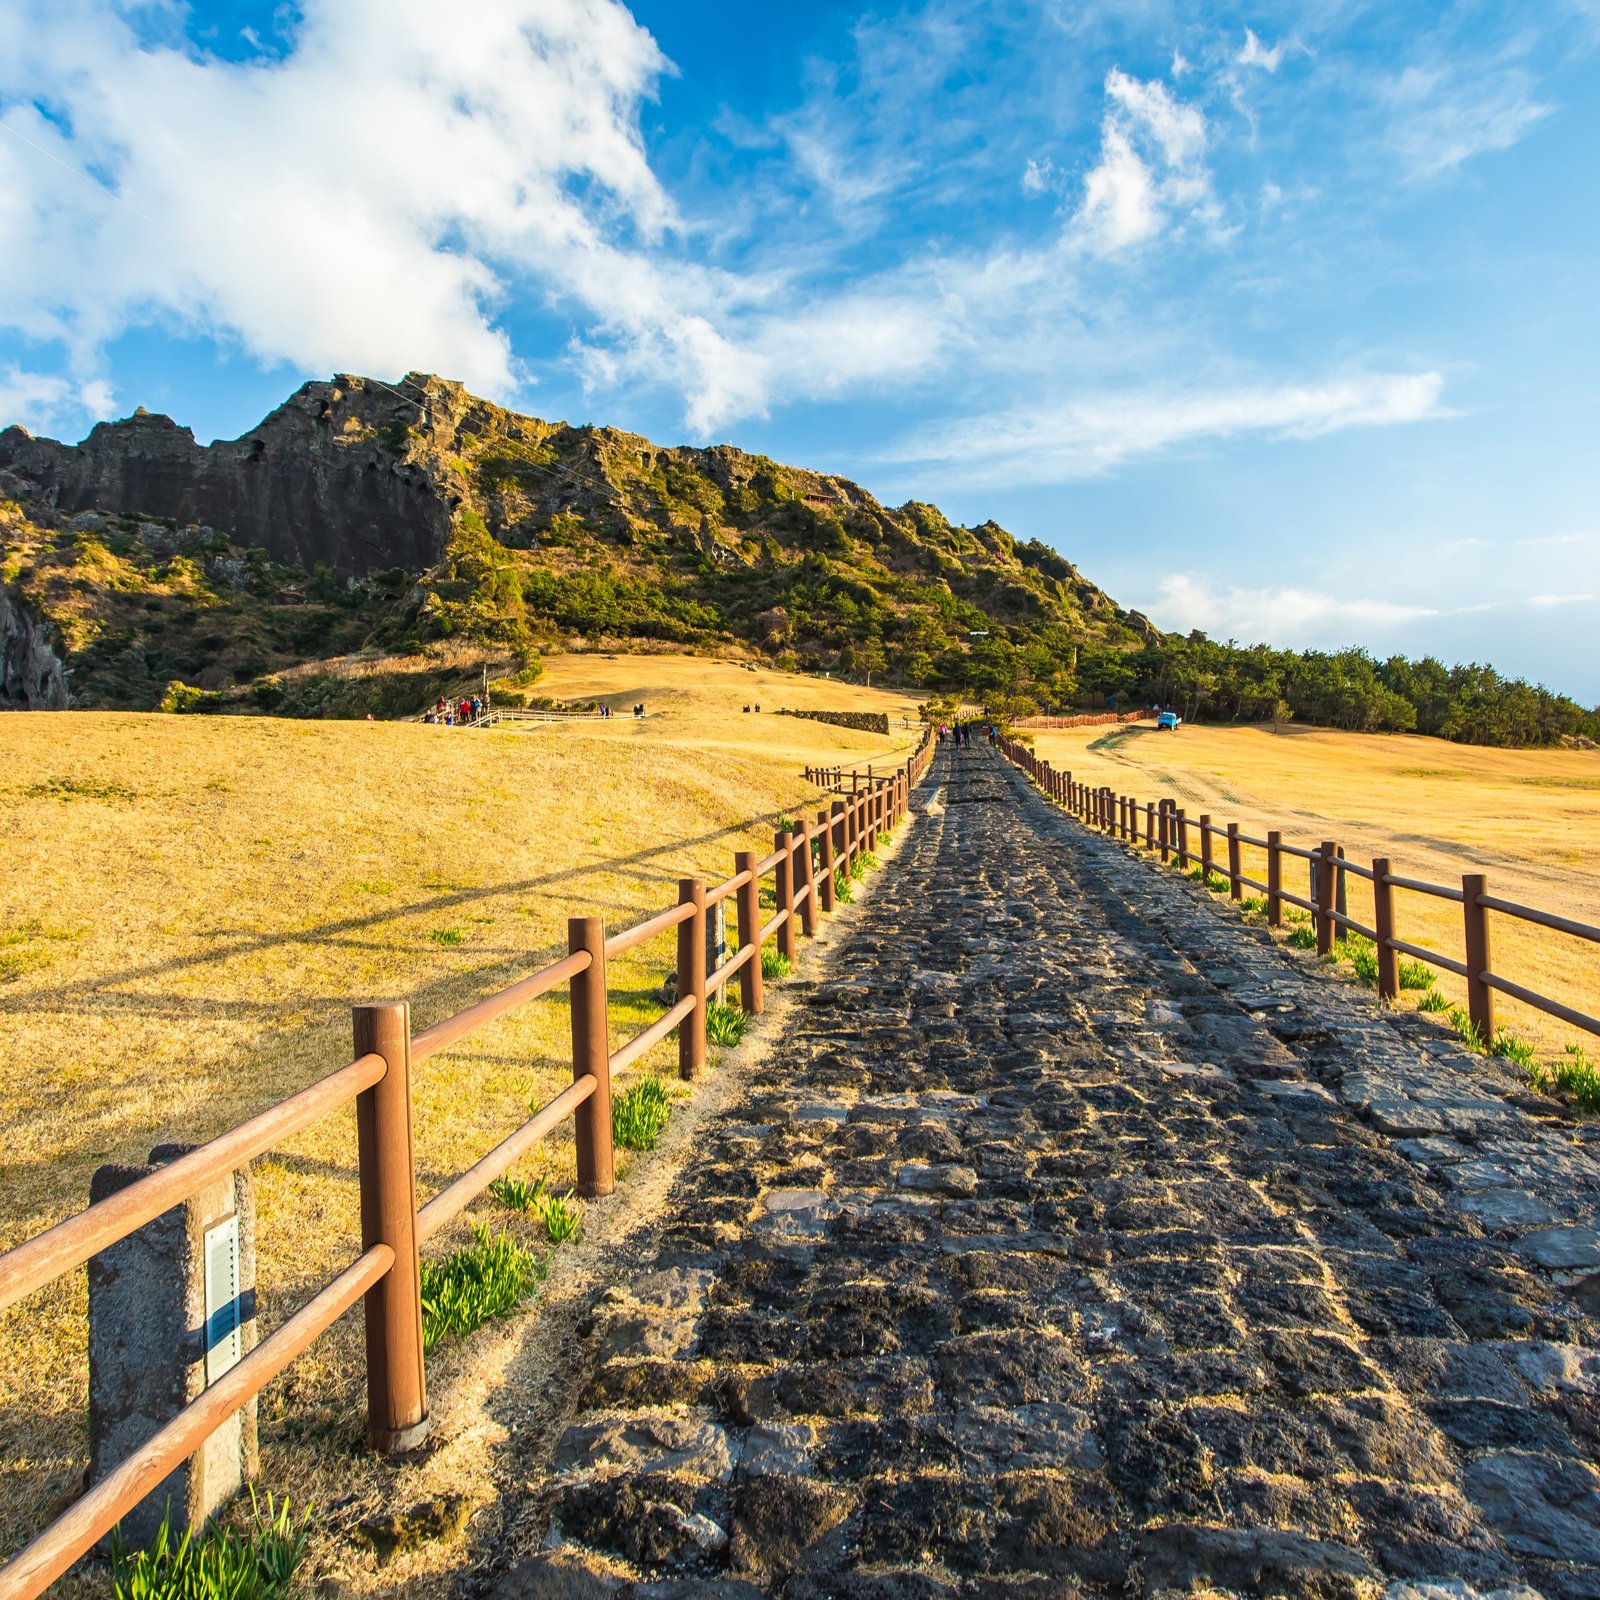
(192, 904)
(1529, 819)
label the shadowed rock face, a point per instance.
(342, 473)
(32, 677)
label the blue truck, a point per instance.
(1168, 720)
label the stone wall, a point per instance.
(861, 721)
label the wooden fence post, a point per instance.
(1149, 824)
(1480, 997)
(397, 1393)
(1274, 879)
(1205, 848)
(1166, 831)
(591, 1053)
(807, 884)
(783, 877)
(1383, 926)
(1235, 871)
(1183, 838)
(747, 902)
(825, 838)
(692, 977)
(1324, 896)
(1341, 898)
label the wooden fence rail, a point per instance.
(1167, 829)
(386, 1274)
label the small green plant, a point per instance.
(558, 1214)
(1303, 937)
(375, 886)
(1466, 1030)
(1433, 1001)
(639, 1115)
(1365, 963)
(725, 1024)
(774, 965)
(1510, 1048)
(885, 837)
(447, 936)
(516, 1193)
(1576, 1078)
(767, 897)
(1416, 975)
(842, 892)
(1254, 905)
(222, 1564)
(488, 1278)
(869, 860)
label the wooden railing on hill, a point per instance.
(387, 1272)
(1166, 830)
(1084, 719)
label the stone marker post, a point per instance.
(171, 1308)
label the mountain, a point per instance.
(401, 515)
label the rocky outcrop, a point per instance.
(861, 721)
(32, 676)
(347, 473)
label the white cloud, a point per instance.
(366, 203)
(1255, 54)
(1152, 162)
(1440, 117)
(1094, 433)
(1287, 615)
(1038, 176)
(39, 400)
(1180, 64)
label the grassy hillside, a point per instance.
(1524, 817)
(204, 898)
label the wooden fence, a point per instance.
(1164, 828)
(386, 1275)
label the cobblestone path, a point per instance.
(1044, 1260)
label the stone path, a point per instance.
(1044, 1260)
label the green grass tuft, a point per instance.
(639, 1115)
(885, 837)
(1303, 937)
(842, 892)
(221, 1564)
(1433, 1001)
(1254, 905)
(488, 1278)
(1416, 975)
(774, 965)
(1510, 1048)
(725, 1024)
(447, 936)
(1576, 1078)
(559, 1215)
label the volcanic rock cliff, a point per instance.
(311, 483)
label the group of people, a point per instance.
(961, 733)
(606, 711)
(456, 716)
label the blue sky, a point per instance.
(1280, 320)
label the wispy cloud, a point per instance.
(1255, 54)
(1152, 162)
(1441, 116)
(1089, 435)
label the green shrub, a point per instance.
(1416, 975)
(842, 892)
(1466, 1030)
(1254, 905)
(774, 965)
(725, 1024)
(1303, 937)
(639, 1115)
(221, 1564)
(488, 1278)
(868, 860)
(516, 1194)
(885, 837)
(1433, 1001)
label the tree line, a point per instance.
(1204, 680)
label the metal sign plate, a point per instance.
(222, 1298)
